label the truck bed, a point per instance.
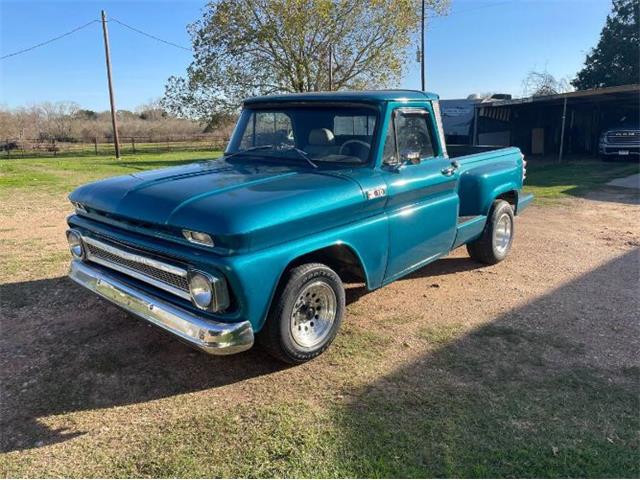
(455, 150)
(485, 173)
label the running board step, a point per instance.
(469, 228)
(468, 218)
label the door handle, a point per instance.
(450, 170)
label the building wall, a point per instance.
(586, 119)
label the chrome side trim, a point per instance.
(215, 338)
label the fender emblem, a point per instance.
(375, 193)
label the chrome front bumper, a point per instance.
(215, 338)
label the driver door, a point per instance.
(422, 204)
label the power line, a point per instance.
(175, 45)
(149, 35)
(49, 41)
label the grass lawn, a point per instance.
(63, 174)
(547, 181)
(551, 181)
(522, 369)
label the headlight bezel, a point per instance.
(76, 245)
(202, 294)
(218, 291)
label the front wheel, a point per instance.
(306, 314)
(496, 239)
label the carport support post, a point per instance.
(564, 118)
(474, 140)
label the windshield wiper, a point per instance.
(301, 153)
(248, 150)
(283, 146)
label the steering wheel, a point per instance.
(358, 142)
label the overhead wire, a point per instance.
(181, 47)
(149, 35)
(51, 40)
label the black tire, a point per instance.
(276, 335)
(486, 249)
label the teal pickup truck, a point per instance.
(313, 190)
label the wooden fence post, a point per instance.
(95, 144)
(133, 144)
(55, 153)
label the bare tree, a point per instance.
(538, 84)
(65, 121)
(58, 117)
(151, 110)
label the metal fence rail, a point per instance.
(22, 148)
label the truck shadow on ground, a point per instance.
(63, 349)
(549, 389)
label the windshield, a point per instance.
(328, 134)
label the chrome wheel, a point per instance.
(313, 314)
(502, 233)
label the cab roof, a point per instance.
(366, 96)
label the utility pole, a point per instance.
(422, 65)
(330, 68)
(112, 101)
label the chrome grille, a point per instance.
(623, 137)
(162, 275)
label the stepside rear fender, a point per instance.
(487, 177)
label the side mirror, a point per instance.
(410, 157)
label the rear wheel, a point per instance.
(496, 239)
(306, 315)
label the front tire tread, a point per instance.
(275, 337)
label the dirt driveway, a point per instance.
(529, 367)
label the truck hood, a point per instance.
(241, 205)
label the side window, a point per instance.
(267, 128)
(389, 152)
(413, 133)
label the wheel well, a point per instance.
(511, 197)
(340, 258)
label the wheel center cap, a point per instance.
(310, 312)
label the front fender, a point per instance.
(255, 276)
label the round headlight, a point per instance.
(201, 290)
(75, 244)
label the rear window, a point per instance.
(354, 125)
